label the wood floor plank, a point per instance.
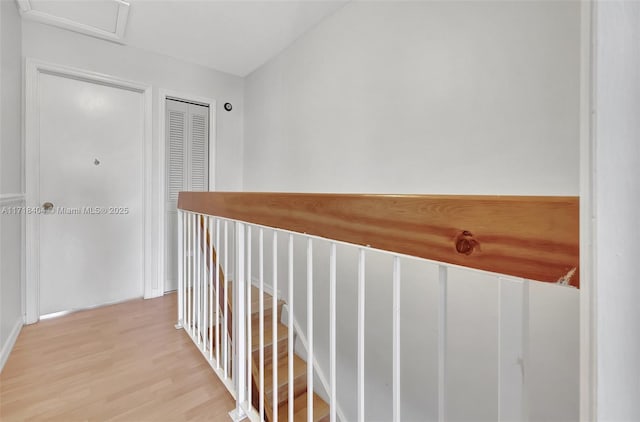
(123, 362)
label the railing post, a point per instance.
(526, 337)
(249, 283)
(396, 340)
(361, 335)
(225, 303)
(197, 321)
(261, 323)
(443, 276)
(239, 342)
(212, 304)
(290, 351)
(333, 402)
(310, 330)
(181, 256)
(274, 327)
(217, 302)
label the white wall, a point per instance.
(67, 48)
(11, 169)
(71, 49)
(431, 97)
(421, 97)
(617, 198)
(11, 227)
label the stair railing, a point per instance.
(515, 238)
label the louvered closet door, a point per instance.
(187, 133)
(176, 130)
(199, 151)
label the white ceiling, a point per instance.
(234, 36)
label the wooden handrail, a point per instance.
(534, 237)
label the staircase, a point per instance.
(320, 407)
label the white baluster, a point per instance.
(249, 317)
(180, 267)
(217, 304)
(261, 323)
(239, 322)
(290, 328)
(396, 339)
(194, 272)
(274, 304)
(193, 275)
(442, 343)
(211, 302)
(225, 306)
(198, 319)
(185, 265)
(187, 281)
(526, 333)
(361, 314)
(332, 333)
(310, 330)
(205, 283)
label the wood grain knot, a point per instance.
(465, 243)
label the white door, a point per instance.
(187, 133)
(91, 139)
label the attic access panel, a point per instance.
(106, 19)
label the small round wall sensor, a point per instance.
(228, 106)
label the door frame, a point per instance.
(33, 70)
(165, 94)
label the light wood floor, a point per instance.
(122, 362)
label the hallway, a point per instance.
(122, 362)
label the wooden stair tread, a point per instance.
(255, 299)
(320, 409)
(255, 308)
(282, 334)
(268, 322)
(299, 368)
(299, 379)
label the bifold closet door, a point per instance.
(187, 137)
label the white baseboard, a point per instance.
(11, 341)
